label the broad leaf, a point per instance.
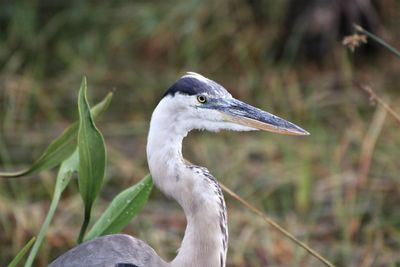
(61, 148)
(21, 254)
(67, 168)
(122, 209)
(92, 157)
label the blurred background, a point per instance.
(337, 189)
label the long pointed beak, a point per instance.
(241, 113)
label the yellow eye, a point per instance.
(202, 99)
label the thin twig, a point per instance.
(277, 226)
(377, 39)
(374, 97)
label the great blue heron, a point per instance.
(192, 102)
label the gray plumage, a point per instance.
(110, 250)
(192, 102)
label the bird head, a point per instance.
(196, 102)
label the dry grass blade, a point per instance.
(368, 145)
(277, 226)
(374, 97)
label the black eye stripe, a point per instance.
(190, 85)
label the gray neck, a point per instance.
(205, 240)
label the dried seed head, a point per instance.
(354, 41)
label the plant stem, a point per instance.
(377, 39)
(374, 97)
(84, 225)
(43, 230)
(277, 226)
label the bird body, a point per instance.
(192, 102)
(193, 187)
(110, 250)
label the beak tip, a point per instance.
(303, 132)
(306, 133)
(296, 130)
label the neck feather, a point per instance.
(194, 188)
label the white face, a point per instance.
(215, 113)
(189, 112)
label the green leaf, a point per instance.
(61, 148)
(68, 167)
(92, 157)
(22, 253)
(122, 209)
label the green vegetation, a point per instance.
(337, 190)
(88, 158)
(92, 158)
(22, 253)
